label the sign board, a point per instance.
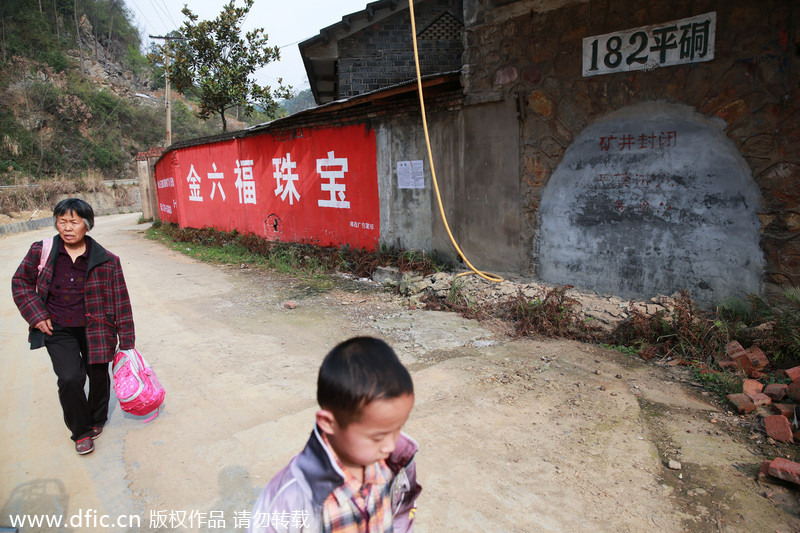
(318, 186)
(410, 175)
(689, 40)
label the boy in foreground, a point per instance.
(356, 473)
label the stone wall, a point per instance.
(110, 201)
(382, 54)
(531, 52)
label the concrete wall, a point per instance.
(530, 51)
(145, 176)
(476, 157)
(488, 206)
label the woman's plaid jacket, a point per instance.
(109, 317)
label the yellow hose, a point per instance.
(484, 275)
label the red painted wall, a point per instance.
(320, 186)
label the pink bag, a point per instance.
(136, 385)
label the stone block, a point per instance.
(743, 363)
(792, 373)
(727, 363)
(387, 275)
(784, 409)
(733, 347)
(757, 357)
(776, 391)
(779, 428)
(742, 403)
(752, 386)
(763, 471)
(723, 361)
(793, 391)
(760, 399)
(785, 469)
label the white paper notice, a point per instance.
(410, 175)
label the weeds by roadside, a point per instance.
(208, 244)
(44, 193)
(686, 334)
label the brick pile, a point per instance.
(781, 399)
(780, 468)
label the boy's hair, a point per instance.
(77, 206)
(357, 372)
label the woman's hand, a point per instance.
(45, 326)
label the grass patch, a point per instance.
(720, 384)
(301, 259)
(627, 350)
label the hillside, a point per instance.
(78, 99)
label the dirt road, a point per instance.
(515, 436)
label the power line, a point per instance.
(86, 144)
(142, 13)
(169, 16)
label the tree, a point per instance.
(300, 101)
(214, 59)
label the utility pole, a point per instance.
(167, 39)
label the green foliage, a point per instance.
(215, 59)
(102, 103)
(186, 126)
(721, 384)
(106, 157)
(57, 60)
(627, 350)
(40, 35)
(457, 296)
(296, 258)
(54, 121)
(298, 102)
(135, 61)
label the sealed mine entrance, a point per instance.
(652, 199)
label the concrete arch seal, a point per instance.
(651, 199)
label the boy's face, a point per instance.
(370, 438)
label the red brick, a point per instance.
(733, 347)
(793, 391)
(727, 363)
(778, 428)
(757, 357)
(760, 399)
(752, 386)
(776, 391)
(743, 363)
(721, 357)
(785, 409)
(792, 373)
(785, 469)
(742, 403)
(763, 472)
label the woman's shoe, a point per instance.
(84, 446)
(96, 431)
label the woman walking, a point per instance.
(76, 303)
